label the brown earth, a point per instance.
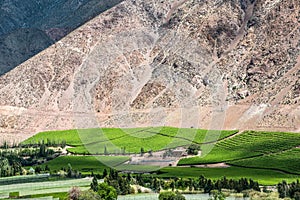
(209, 64)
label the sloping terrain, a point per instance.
(210, 64)
(30, 26)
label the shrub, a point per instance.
(14, 195)
(170, 196)
(107, 192)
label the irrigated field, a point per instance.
(246, 145)
(263, 176)
(86, 164)
(268, 157)
(115, 140)
(287, 161)
(48, 187)
(23, 179)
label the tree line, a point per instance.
(197, 184)
(291, 190)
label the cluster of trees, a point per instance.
(29, 156)
(39, 169)
(113, 185)
(193, 149)
(201, 183)
(10, 167)
(109, 189)
(291, 190)
(47, 142)
(13, 158)
(102, 191)
(71, 173)
(120, 183)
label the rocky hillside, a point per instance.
(30, 26)
(218, 64)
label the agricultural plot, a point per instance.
(137, 168)
(26, 189)
(263, 176)
(246, 145)
(287, 161)
(77, 137)
(86, 164)
(196, 135)
(50, 196)
(23, 179)
(70, 136)
(132, 144)
(129, 140)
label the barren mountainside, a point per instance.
(218, 64)
(30, 26)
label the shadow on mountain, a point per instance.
(29, 26)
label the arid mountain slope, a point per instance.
(210, 64)
(30, 26)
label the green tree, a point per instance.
(142, 151)
(179, 196)
(166, 196)
(282, 189)
(42, 151)
(107, 192)
(105, 173)
(47, 169)
(155, 185)
(38, 169)
(172, 185)
(170, 196)
(105, 150)
(70, 171)
(94, 184)
(193, 149)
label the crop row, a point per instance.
(286, 161)
(248, 144)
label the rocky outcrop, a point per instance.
(209, 64)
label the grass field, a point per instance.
(263, 176)
(86, 164)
